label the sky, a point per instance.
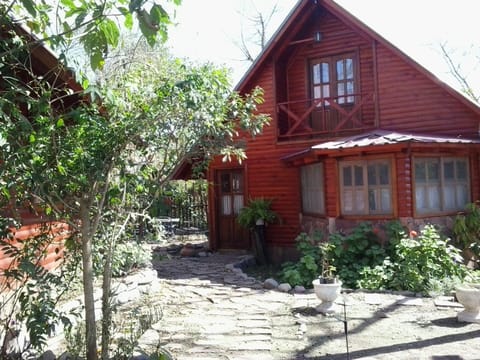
(209, 30)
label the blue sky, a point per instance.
(207, 30)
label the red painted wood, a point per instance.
(409, 100)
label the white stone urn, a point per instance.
(469, 296)
(327, 293)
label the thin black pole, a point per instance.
(345, 326)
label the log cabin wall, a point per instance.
(411, 101)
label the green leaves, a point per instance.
(98, 22)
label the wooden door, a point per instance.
(230, 199)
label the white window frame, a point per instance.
(358, 197)
(312, 189)
(434, 191)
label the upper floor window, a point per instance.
(366, 187)
(441, 184)
(313, 199)
(334, 77)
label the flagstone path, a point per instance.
(212, 310)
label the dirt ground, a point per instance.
(367, 325)
(387, 326)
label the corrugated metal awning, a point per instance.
(376, 138)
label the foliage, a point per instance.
(308, 267)
(426, 263)
(466, 230)
(95, 25)
(256, 209)
(30, 292)
(82, 164)
(126, 256)
(419, 260)
(350, 254)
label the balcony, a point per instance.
(327, 117)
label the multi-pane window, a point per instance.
(334, 78)
(441, 184)
(313, 200)
(366, 187)
(231, 193)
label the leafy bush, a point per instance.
(424, 259)
(308, 267)
(427, 264)
(351, 254)
(466, 231)
(126, 256)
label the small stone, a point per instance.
(202, 254)
(285, 287)
(298, 289)
(47, 355)
(270, 284)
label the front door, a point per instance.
(230, 199)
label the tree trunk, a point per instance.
(90, 329)
(106, 308)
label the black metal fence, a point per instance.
(188, 204)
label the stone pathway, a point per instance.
(212, 310)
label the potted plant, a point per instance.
(255, 216)
(327, 286)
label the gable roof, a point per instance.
(294, 22)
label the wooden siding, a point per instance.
(50, 255)
(409, 101)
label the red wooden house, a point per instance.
(359, 132)
(40, 63)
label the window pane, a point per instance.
(358, 175)
(226, 205)
(462, 196)
(434, 197)
(348, 200)
(384, 174)
(326, 91)
(349, 66)
(225, 181)
(340, 93)
(421, 198)
(449, 197)
(237, 203)
(360, 202)
(325, 73)
(372, 204)
(448, 170)
(237, 183)
(340, 72)
(317, 94)
(420, 174)
(312, 188)
(432, 171)
(347, 176)
(372, 175)
(316, 74)
(386, 200)
(350, 87)
(461, 170)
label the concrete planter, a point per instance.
(327, 294)
(469, 296)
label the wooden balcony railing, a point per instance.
(325, 117)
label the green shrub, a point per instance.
(353, 253)
(308, 267)
(424, 260)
